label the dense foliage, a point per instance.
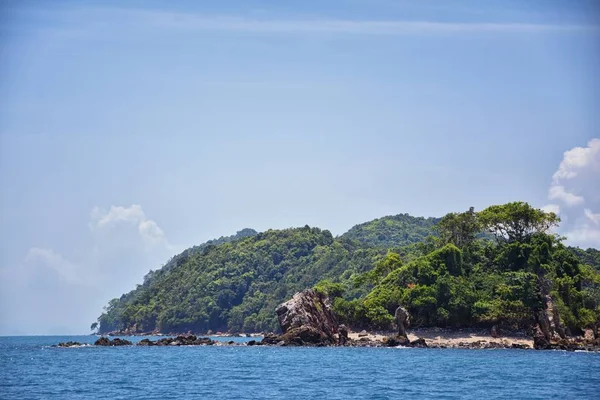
(236, 286)
(469, 281)
(181, 258)
(492, 267)
(589, 256)
(393, 231)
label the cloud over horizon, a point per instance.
(167, 19)
(57, 294)
(575, 188)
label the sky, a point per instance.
(130, 131)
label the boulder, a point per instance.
(70, 344)
(402, 318)
(181, 340)
(540, 342)
(308, 319)
(104, 341)
(270, 338)
(420, 342)
(120, 342)
(393, 341)
(342, 335)
(494, 332)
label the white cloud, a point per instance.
(577, 182)
(555, 208)
(125, 245)
(114, 18)
(584, 236)
(595, 218)
(577, 159)
(364, 27)
(559, 193)
(133, 215)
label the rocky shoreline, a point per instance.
(308, 320)
(367, 340)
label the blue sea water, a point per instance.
(31, 369)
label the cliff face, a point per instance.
(308, 318)
(548, 318)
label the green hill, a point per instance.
(469, 280)
(589, 256)
(494, 267)
(393, 231)
(182, 257)
(235, 285)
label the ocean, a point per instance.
(31, 369)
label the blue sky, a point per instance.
(132, 130)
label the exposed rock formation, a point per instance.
(540, 341)
(71, 344)
(104, 341)
(548, 317)
(342, 335)
(306, 319)
(494, 332)
(393, 341)
(402, 318)
(182, 340)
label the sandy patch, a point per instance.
(448, 338)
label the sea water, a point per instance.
(31, 369)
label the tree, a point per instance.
(94, 326)
(381, 269)
(517, 221)
(459, 229)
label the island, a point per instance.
(500, 273)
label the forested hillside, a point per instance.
(494, 267)
(393, 231)
(468, 281)
(181, 258)
(589, 256)
(236, 285)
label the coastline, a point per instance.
(451, 338)
(440, 338)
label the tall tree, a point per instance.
(459, 229)
(517, 221)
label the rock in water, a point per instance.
(419, 342)
(103, 341)
(70, 344)
(540, 342)
(307, 319)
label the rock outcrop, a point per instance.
(343, 335)
(182, 340)
(71, 344)
(394, 341)
(306, 320)
(402, 318)
(104, 341)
